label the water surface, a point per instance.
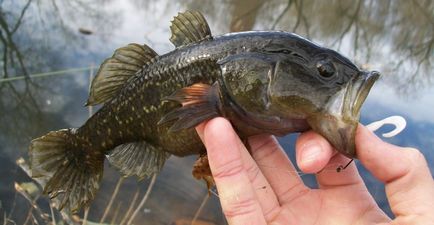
(394, 37)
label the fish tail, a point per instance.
(72, 172)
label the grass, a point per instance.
(32, 192)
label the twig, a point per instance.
(148, 192)
(297, 22)
(12, 45)
(23, 11)
(14, 203)
(115, 216)
(53, 219)
(424, 12)
(251, 11)
(115, 192)
(86, 214)
(34, 221)
(214, 193)
(288, 6)
(33, 206)
(66, 217)
(90, 84)
(353, 19)
(9, 221)
(5, 55)
(303, 17)
(133, 202)
(29, 215)
(199, 210)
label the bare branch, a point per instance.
(424, 12)
(11, 43)
(350, 24)
(23, 11)
(288, 6)
(297, 23)
(5, 55)
(305, 20)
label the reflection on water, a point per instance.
(394, 37)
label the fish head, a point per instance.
(338, 117)
(326, 89)
(293, 79)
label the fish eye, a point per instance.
(325, 68)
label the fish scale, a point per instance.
(153, 109)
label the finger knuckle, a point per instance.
(272, 213)
(253, 172)
(293, 192)
(414, 155)
(264, 152)
(239, 207)
(229, 169)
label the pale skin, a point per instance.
(264, 188)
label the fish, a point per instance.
(271, 82)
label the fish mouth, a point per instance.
(339, 120)
(357, 92)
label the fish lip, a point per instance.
(349, 100)
(357, 91)
(339, 120)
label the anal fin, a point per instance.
(199, 102)
(137, 158)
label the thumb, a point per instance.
(409, 183)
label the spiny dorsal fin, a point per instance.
(116, 70)
(189, 27)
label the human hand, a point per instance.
(264, 188)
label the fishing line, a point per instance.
(214, 193)
(294, 172)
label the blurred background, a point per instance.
(49, 50)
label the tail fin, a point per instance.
(73, 174)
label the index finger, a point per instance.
(237, 196)
(409, 183)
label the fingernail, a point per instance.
(310, 152)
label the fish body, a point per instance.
(132, 115)
(263, 82)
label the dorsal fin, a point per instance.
(189, 27)
(116, 70)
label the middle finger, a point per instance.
(328, 177)
(276, 167)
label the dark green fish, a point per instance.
(262, 81)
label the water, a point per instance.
(394, 37)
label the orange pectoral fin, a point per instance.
(199, 102)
